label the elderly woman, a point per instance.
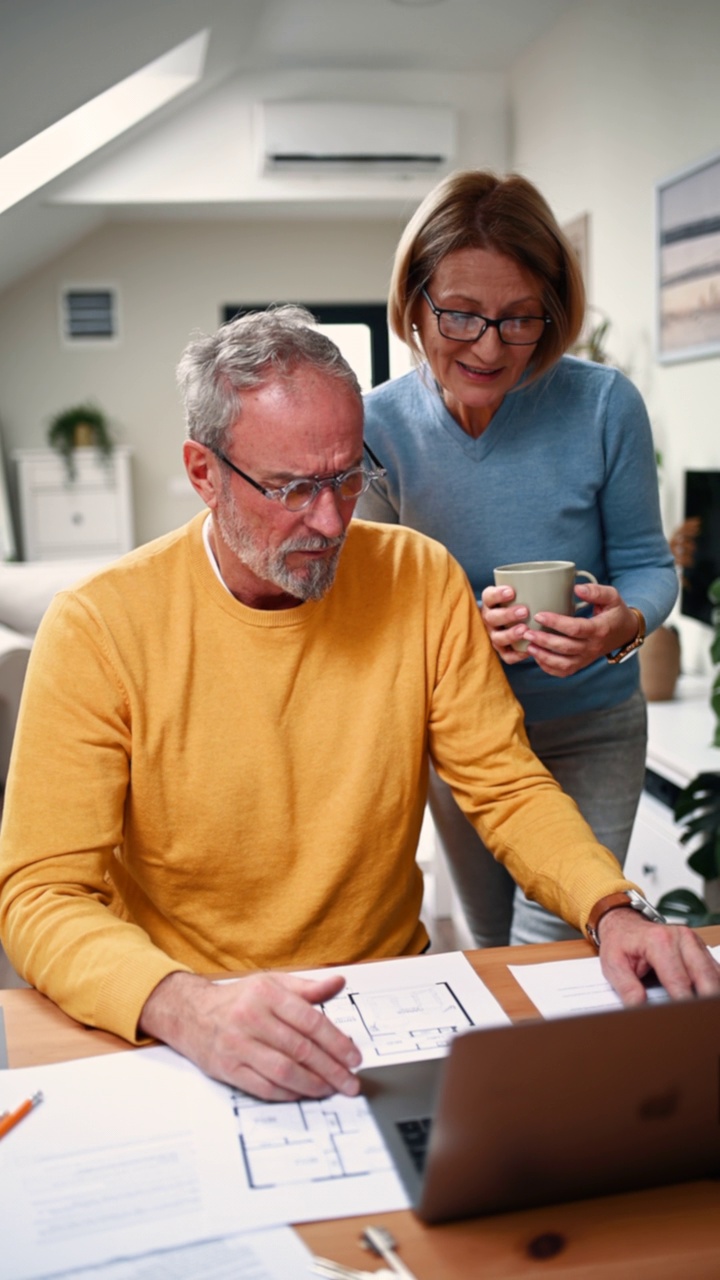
(506, 449)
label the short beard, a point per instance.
(311, 583)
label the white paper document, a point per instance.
(134, 1153)
(397, 1010)
(307, 1160)
(127, 1152)
(275, 1254)
(561, 987)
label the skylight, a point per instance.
(63, 144)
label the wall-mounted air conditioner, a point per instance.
(354, 136)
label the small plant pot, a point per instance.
(81, 427)
(84, 436)
(660, 664)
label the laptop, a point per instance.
(547, 1111)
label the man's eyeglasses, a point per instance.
(465, 326)
(300, 493)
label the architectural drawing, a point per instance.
(301, 1142)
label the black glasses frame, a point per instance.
(486, 324)
(318, 483)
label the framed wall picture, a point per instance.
(8, 548)
(578, 233)
(688, 263)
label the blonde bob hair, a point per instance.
(478, 209)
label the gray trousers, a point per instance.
(599, 759)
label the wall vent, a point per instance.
(89, 314)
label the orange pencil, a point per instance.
(11, 1118)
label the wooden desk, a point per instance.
(665, 1233)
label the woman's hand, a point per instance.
(506, 622)
(573, 642)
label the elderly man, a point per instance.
(222, 755)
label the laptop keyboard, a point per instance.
(416, 1136)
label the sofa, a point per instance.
(26, 590)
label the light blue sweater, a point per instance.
(565, 471)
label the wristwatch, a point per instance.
(628, 649)
(625, 898)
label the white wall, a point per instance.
(623, 94)
(211, 152)
(173, 277)
(175, 274)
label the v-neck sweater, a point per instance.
(565, 470)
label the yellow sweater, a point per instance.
(245, 789)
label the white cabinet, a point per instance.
(91, 515)
(656, 860)
(679, 737)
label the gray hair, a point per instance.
(247, 352)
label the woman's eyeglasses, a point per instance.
(466, 326)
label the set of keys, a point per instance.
(380, 1242)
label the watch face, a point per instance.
(641, 904)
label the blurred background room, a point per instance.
(164, 163)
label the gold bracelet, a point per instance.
(628, 649)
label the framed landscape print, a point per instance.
(688, 263)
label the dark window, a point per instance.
(372, 315)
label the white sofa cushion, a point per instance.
(27, 587)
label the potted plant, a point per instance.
(591, 344)
(698, 809)
(82, 426)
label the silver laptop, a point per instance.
(542, 1112)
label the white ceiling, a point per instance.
(56, 55)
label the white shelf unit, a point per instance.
(90, 515)
(680, 734)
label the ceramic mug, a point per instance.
(543, 586)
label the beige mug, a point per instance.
(543, 586)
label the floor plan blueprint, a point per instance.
(411, 1020)
(291, 1142)
(400, 1009)
(394, 1011)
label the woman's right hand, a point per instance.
(506, 622)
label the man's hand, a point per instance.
(631, 946)
(260, 1033)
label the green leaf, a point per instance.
(703, 791)
(697, 810)
(681, 902)
(705, 820)
(706, 860)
